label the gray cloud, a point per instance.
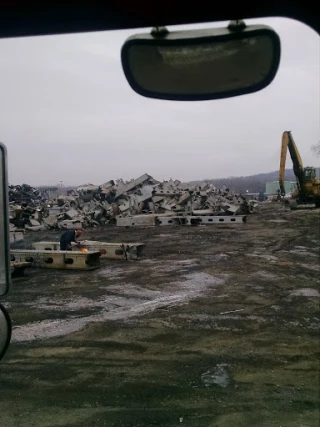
(67, 113)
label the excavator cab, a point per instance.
(309, 174)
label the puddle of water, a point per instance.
(71, 305)
(310, 267)
(227, 317)
(167, 266)
(305, 292)
(219, 256)
(107, 303)
(187, 262)
(267, 257)
(113, 272)
(316, 241)
(217, 376)
(258, 319)
(133, 301)
(129, 290)
(199, 281)
(265, 274)
(301, 252)
(148, 261)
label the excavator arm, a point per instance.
(288, 143)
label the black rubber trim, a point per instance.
(5, 210)
(32, 17)
(6, 315)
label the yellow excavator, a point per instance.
(307, 193)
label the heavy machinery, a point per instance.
(307, 193)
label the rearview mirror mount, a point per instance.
(201, 64)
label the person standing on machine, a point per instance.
(67, 238)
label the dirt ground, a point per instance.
(215, 326)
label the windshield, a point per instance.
(192, 295)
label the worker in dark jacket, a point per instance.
(67, 237)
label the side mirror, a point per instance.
(201, 64)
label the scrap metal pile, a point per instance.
(93, 206)
(25, 205)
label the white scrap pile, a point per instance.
(91, 205)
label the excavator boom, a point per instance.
(308, 185)
(289, 144)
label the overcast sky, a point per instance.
(67, 113)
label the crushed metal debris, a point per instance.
(92, 205)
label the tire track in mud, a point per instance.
(192, 286)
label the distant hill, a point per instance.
(252, 183)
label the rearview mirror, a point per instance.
(201, 64)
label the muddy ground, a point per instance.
(214, 326)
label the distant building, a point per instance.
(250, 196)
(272, 188)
